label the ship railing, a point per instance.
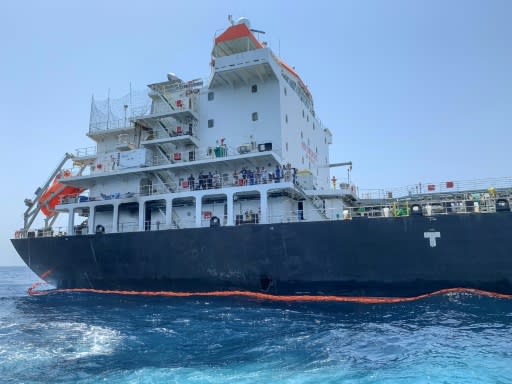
(155, 225)
(178, 86)
(41, 232)
(209, 153)
(174, 100)
(434, 188)
(172, 132)
(310, 214)
(124, 123)
(158, 225)
(433, 208)
(486, 204)
(288, 217)
(84, 198)
(176, 157)
(161, 225)
(182, 222)
(165, 188)
(80, 230)
(225, 180)
(85, 152)
(132, 226)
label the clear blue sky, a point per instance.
(412, 90)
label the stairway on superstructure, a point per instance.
(315, 200)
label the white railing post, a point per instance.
(263, 207)
(141, 215)
(199, 201)
(115, 218)
(230, 210)
(71, 218)
(90, 222)
(168, 212)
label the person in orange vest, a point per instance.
(334, 182)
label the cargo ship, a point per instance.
(225, 184)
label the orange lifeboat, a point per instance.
(54, 194)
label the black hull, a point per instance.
(371, 257)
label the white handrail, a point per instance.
(86, 151)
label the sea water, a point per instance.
(91, 338)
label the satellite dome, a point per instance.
(244, 20)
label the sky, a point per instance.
(413, 91)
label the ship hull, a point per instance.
(367, 257)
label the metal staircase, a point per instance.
(164, 96)
(174, 217)
(164, 127)
(164, 154)
(167, 184)
(315, 200)
(318, 204)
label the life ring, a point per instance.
(100, 228)
(214, 222)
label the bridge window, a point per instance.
(254, 116)
(254, 88)
(210, 123)
(211, 96)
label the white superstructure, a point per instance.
(244, 146)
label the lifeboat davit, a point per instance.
(54, 194)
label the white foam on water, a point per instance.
(97, 340)
(165, 331)
(245, 374)
(61, 340)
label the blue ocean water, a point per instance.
(91, 338)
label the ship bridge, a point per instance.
(237, 38)
(244, 68)
(239, 58)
